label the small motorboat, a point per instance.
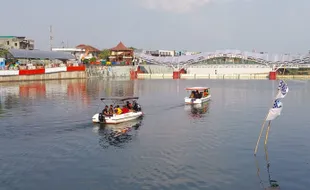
(198, 95)
(118, 118)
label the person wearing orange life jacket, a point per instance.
(205, 93)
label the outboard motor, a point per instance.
(101, 118)
(139, 107)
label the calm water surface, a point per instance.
(47, 140)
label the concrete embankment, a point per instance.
(124, 71)
(51, 76)
(301, 77)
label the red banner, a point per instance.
(32, 72)
(75, 68)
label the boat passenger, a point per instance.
(125, 109)
(118, 110)
(111, 111)
(129, 105)
(205, 93)
(197, 95)
(192, 94)
(105, 111)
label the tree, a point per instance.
(3, 52)
(133, 48)
(104, 54)
(86, 61)
(92, 60)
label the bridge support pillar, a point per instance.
(272, 75)
(133, 74)
(177, 73)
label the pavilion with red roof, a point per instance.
(121, 53)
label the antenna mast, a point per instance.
(51, 37)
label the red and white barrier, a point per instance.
(55, 69)
(41, 71)
(9, 72)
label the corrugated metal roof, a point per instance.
(37, 54)
(7, 37)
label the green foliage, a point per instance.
(3, 52)
(104, 54)
(133, 48)
(86, 61)
(93, 59)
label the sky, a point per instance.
(277, 26)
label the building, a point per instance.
(169, 53)
(161, 53)
(121, 53)
(36, 57)
(90, 51)
(80, 52)
(16, 42)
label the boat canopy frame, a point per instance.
(115, 100)
(200, 89)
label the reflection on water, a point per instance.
(80, 91)
(198, 110)
(272, 184)
(117, 135)
(46, 133)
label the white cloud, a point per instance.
(174, 5)
(179, 6)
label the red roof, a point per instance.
(120, 47)
(87, 47)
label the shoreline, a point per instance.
(143, 76)
(44, 77)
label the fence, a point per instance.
(41, 70)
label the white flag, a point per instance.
(275, 111)
(282, 93)
(282, 90)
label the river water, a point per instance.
(47, 139)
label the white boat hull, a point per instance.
(115, 119)
(197, 100)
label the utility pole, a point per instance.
(51, 37)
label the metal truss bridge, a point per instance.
(275, 61)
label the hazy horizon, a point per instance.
(193, 25)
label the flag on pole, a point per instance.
(282, 90)
(275, 111)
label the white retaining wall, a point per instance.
(55, 69)
(9, 72)
(231, 70)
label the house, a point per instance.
(121, 53)
(16, 42)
